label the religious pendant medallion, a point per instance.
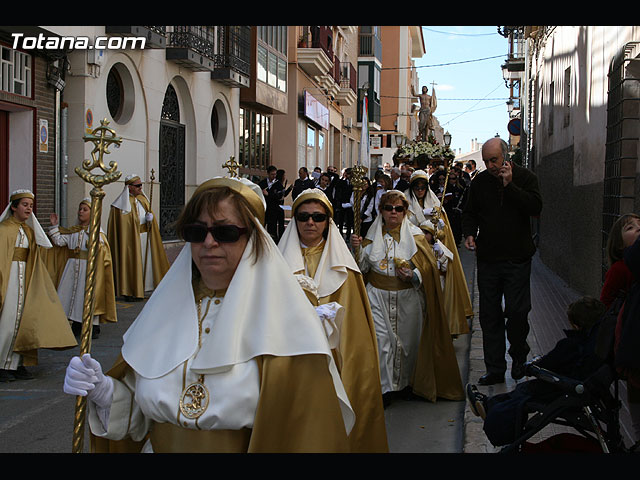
(383, 264)
(194, 400)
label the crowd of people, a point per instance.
(370, 317)
(214, 363)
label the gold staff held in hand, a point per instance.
(102, 137)
(358, 174)
(146, 252)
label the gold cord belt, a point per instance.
(20, 254)
(81, 254)
(144, 227)
(386, 282)
(170, 438)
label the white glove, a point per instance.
(84, 377)
(437, 249)
(428, 211)
(148, 216)
(331, 315)
(346, 205)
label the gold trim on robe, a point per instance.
(43, 323)
(123, 233)
(437, 373)
(282, 423)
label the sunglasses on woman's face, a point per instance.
(391, 208)
(197, 233)
(315, 216)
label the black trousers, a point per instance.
(510, 280)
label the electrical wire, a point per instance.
(461, 34)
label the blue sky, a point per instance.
(471, 95)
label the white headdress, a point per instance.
(251, 321)
(32, 221)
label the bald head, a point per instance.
(494, 153)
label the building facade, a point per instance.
(579, 98)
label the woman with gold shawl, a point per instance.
(422, 205)
(313, 248)
(31, 316)
(213, 363)
(70, 270)
(414, 344)
(139, 258)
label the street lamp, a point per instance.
(447, 138)
(399, 139)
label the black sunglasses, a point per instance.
(391, 208)
(316, 216)
(138, 185)
(197, 233)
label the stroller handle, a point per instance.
(565, 383)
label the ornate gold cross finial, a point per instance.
(102, 137)
(232, 166)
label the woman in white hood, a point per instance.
(228, 355)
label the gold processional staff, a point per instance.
(102, 137)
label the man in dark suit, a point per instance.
(302, 183)
(399, 183)
(273, 191)
(344, 210)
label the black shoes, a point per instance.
(20, 374)
(490, 379)
(476, 401)
(6, 376)
(517, 370)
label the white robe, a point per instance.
(73, 279)
(397, 315)
(140, 401)
(12, 308)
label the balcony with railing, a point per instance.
(347, 81)
(156, 37)
(315, 51)
(369, 44)
(192, 47)
(233, 56)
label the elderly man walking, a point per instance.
(496, 224)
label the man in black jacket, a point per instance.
(273, 191)
(496, 223)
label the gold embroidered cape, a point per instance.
(43, 323)
(358, 359)
(298, 412)
(437, 373)
(123, 233)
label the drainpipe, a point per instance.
(63, 164)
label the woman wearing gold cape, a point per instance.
(228, 355)
(403, 283)
(313, 248)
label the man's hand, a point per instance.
(506, 173)
(470, 243)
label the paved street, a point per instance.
(37, 417)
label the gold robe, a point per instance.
(297, 412)
(457, 301)
(357, 359)
(104, 291)
(43, 323)
(123, 233)
(437, 373)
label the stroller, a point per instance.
(590, 407)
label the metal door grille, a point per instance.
(621, 152)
